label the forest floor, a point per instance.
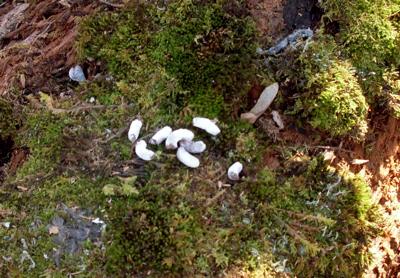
(37, 48)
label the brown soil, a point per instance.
(268, 15)
(17, 159)
(36, 48)
(301, 14)
(276, 18)
(383, 171)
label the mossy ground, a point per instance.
(167, 65)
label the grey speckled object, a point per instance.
(76, 74)
(74, 227)
(289, 40)
(10, 21)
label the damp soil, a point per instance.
(5, 150)
(277, 18)
(36, 44)
(299, 14)
(6, 146)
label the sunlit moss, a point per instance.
(334, 101)
(316, 217)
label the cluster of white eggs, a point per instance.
(180, 140)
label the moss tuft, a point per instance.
(317, 217)
(169, 62)
(340, 108)
(8, 123)
(334, 101)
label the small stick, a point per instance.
(111, 4)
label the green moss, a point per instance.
(43, 135)
(338, 73)
(369, 37)
(331, 96)
(313, 216)
(196, 56)
(316, 217)
(8, 122)
(369, 32)
(157, 232)
(391, 92)
(247, 147)
(335, 102)
(340, 107)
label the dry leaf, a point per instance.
(265, 100)
(53, 230)
(168, 261)
(22, 79)
(22, 188)
(359, 161)
(277, 119)
(329, 155)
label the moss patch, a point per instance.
(166, 64)
(337, 104)
(202, 65)
(317, 217)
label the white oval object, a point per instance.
(359, 161)
(186, 158)
(142, 151)
(160, 135)
(193, 147)
(134, 130)
(277, 119)
(76, 74)
(265, 100)
(178, 135)
(234, 171)
(207, 125)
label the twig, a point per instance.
(81, 108)
(329, 148)
(111, 4)
(215, 198)
(119, 133)
(303, 216)
(74, 274)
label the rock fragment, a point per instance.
(76, 74)
(291, 40)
